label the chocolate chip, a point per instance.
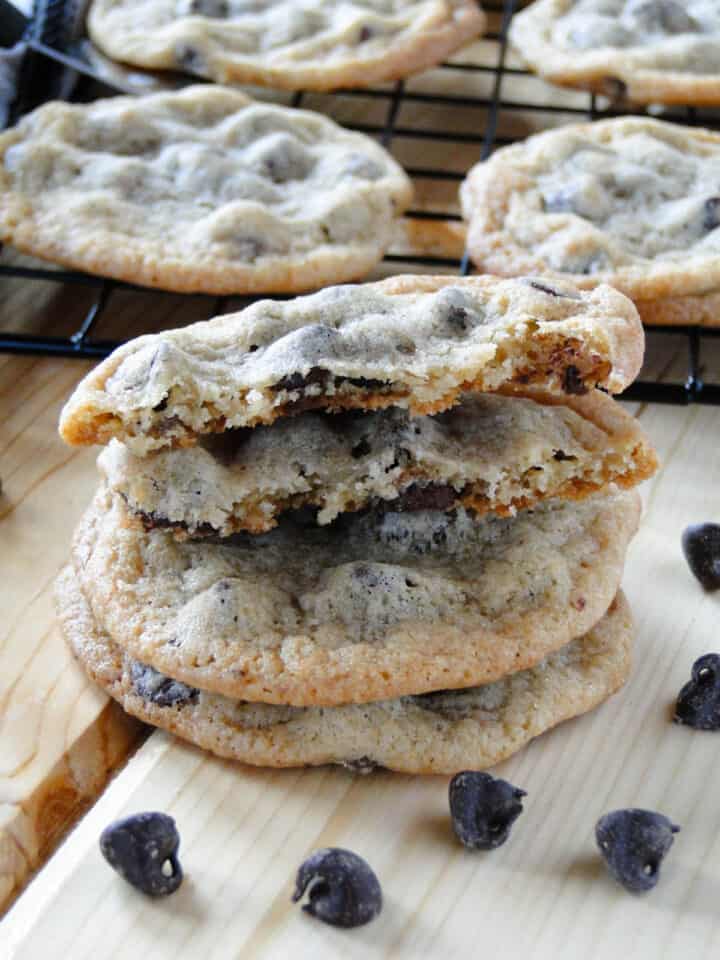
(698, 704)
(298, 381)
(458, 318)
(551, 291)
(711, 213)
(143, 849)
(362, 766)
(430, 496)
(159, 407)
(190, 59)
(155, 521)
(282, 158)
(561, 456)
(701, 546)
(633, 844)
(208, 8)
(163, 691)
(483, 809)
(572, 382)
(342, 888)
(363, 383)
(365, 34)
(361, 449)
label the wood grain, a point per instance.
(61, 739)
(545, 894)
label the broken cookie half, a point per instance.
(418, 343)
(490, 453)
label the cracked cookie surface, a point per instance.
(372, 606)
(202, 190)
(315, 45)
(645, 51)
(441, 732)
(413, 342)
(491, 453)
(628, 201)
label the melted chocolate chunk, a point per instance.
(155, 521)
(572, 382)
(560, 456)
(361, 449)
(163, 691)
(614, 89)
(298, 381)
(431, 496)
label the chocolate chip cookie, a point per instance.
(375, 605)
(630, 202)
(203, 190)
(316, 45)
(441, 732)
(645, 51)
(412, 342)
(490, 453)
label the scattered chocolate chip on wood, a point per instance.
(633, 843)
(701, 546)
(698, 704)
(143, 849)
(342, 888)
(483, 809)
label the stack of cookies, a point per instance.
(378, 525)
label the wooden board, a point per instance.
(545, 894)
(60, 738)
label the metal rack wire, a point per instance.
(87, 341)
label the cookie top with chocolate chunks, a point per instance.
(314, 45)
(644, 51)
(440, 732)
(374, 605)
(630, 202)
(490, 453)
(200, 190)
(412, 342)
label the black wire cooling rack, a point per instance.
(87, 341)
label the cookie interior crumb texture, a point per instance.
(644, 51)
(438, 733)
(201, 190)
(412, 342)
(374, 605)
(629, 201)
(491, 453)
(316, 45)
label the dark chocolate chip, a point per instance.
(163, 691)
(190, 59)
(483, 809)
(361, 766)
(698, 704)
(298, 381)
(159, 407)
(282, 158)
(361, 449)
(560, 456)
(701, 546)
(143, 849)
(365, 34)
(217, 9)
(342, 888)
(363, 383)
(457, 318)
(711, 214)
(431, 496)
(551, 291)
(633, 843)
(572, 381)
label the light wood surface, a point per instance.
(60, 738)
